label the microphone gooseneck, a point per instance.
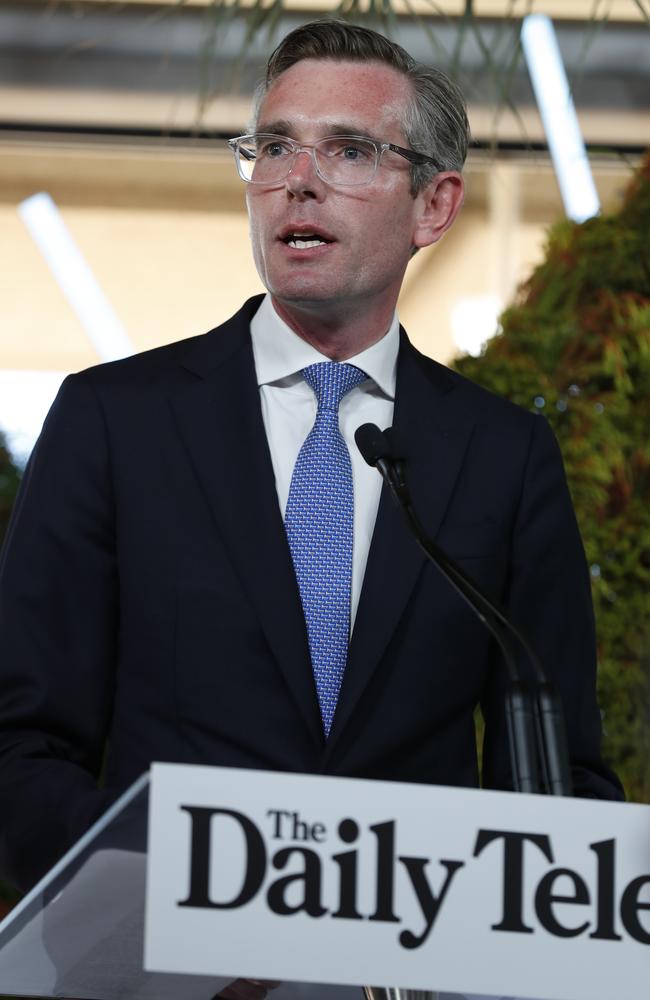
(536, 729)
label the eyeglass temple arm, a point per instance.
(246, 153)
(412, 156)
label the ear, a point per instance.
(439, 204)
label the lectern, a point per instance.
(79, 933)
(349, 877)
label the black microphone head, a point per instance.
(395, 445)
(372, 443)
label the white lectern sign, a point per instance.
(318, 879)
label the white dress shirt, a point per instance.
(289, 411)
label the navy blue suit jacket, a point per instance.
(148, 603)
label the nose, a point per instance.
(303, 181)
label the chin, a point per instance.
(306, 291)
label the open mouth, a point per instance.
(305, 241)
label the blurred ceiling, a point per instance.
(146, 68)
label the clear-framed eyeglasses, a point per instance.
(350, 160)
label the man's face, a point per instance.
(369, 230)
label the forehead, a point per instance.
(315, 93)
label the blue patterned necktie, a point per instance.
(319, 521)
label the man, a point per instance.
(197, 537)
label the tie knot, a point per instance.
(331, 380)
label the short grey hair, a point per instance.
(436, 118)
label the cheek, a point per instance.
(255, 231)
(255, 209)
(388, 242)
(388, 227)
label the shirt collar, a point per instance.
(280, 353)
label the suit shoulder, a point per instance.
(483, 404)
(160, 364)
(143, 366)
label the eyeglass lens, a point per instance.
(267, 159)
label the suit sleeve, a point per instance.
(549, 599)
(58, 628)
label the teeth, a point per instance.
(305, 244)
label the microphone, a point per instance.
(372, 443)
(533, 732)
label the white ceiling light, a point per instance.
(559, 117)
(75, 278)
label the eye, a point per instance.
(272, 148)
(349, 150)
(352, 152)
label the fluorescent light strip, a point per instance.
(75, 278)
(558, 114)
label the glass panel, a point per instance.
(79, 933)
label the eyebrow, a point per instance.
(285, 127)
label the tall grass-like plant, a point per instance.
(575, 346)
(258, 25)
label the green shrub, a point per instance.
(576, 346)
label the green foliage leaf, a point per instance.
(576, 346)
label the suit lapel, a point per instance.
(433, 445)
(219, 417)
